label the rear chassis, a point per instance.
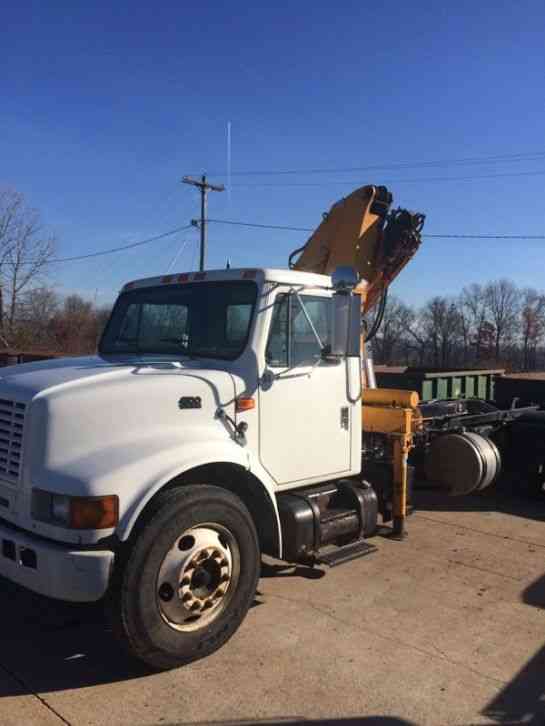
(517, 433)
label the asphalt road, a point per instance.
(445, 628)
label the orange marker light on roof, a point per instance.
(183, 278)
(249, 274)
(167, 278)
(244, 403)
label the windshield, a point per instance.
(208, 319)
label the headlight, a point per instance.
(75, 512)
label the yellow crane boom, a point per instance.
(360, 231)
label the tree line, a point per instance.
(34, 316)
(490, 324)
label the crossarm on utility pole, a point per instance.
(204, 187)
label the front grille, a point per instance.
(12, 419)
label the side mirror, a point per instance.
(346, 325)
(346, 314)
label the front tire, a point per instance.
(189, 577)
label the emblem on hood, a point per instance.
(190, 402)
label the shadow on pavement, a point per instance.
(535, 595)
(523, 699)
(502, 497)
(49, 645)
(285, 570)
(354, 721)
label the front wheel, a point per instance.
(189, 578)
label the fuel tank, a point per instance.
(462, 463)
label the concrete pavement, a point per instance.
(445, 628)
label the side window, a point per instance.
(237, 322)
(291, 339)
(304, 348)
(277, 348)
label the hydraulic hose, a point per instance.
(291, 264)
(379, 317)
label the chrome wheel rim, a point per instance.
(197, 577)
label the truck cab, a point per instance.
(217, 389)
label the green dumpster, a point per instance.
(432, 383)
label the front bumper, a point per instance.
(58, 571)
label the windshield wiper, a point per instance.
(185, 347)
(178, 341)
(210, 352)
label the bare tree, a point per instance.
(37, 308)
(473, 305)
(502, 302)
(391, 340)
(441, 325)
(419, 341)
(464, 322)
(77, 326)
(25, 251)
(532, 325)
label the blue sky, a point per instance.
(107, 105)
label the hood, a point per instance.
(90, 424)
(24, 381)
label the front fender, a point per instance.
(137, 468)
(154, 472)
(133, 469)
(191, 458)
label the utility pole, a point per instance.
(204, 187)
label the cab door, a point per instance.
(305, 414)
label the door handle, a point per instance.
(345, 418)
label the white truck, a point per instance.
(221, 419)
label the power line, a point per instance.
(262, 226)
(495, 159)
(418, 180)
(430, 236)
(178, 254)
(129, 246)
(124, 247)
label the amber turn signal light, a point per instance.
(94, 512)
(244, 403)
